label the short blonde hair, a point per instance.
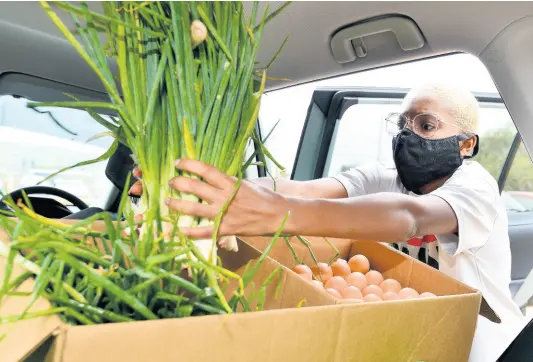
(460, 102)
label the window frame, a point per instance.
(325, 110)
(509, 160)
(261, 170)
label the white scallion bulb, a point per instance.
(198, 33)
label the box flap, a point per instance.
(355, 333)
(321, 250)
(286, 290)
(486, 311)
(23, 337)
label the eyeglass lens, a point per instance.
(423, 124)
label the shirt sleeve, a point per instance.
(362, 180)
(475, 204)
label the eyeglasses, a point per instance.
(423, 124)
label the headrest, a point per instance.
(119, 166)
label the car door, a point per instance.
(345, 128)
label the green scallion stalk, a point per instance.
(185, 87)
(189, 94)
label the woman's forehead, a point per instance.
(425, 103)
(420, 103)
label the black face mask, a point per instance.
(420, 161)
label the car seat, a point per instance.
(119, 166)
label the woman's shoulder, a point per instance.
(473, 175)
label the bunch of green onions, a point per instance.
(189, 88)
(186, 86)
(94, 275)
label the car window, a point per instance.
(289, 105)
(361, 136)
(519, 183)
(35, 144)
(362, 125)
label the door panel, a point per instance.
(521, 235)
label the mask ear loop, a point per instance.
(465, 136)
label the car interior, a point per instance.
(340, 61)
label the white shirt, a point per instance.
(479, 257)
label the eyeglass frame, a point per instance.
(411, 121)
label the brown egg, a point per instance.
(357, 280)
(322, 271)
(373, 289)
(407, 293)
(337, 283)
(389, 296)
(317, 284)
(391, 285)
(427, 295)
(340, 267)
(359, 263)
(302, 269)
(374, 277)
(371, 298)
(334, 292)
(351, 292)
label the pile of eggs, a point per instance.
(353, 281)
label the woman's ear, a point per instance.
(466, 147)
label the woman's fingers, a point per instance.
(138, 218)
(195, 187)
(228, 242)
(137, 173)
(136, 189)
(203, 232)
(192, 208)
(211, 174)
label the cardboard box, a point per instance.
(439, 329)
(445, 345)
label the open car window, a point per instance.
(36, 143)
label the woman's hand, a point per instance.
(137, 188)
(255, 210)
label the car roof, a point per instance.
(34, 53)
(446, 26)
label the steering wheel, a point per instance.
(47, 190)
